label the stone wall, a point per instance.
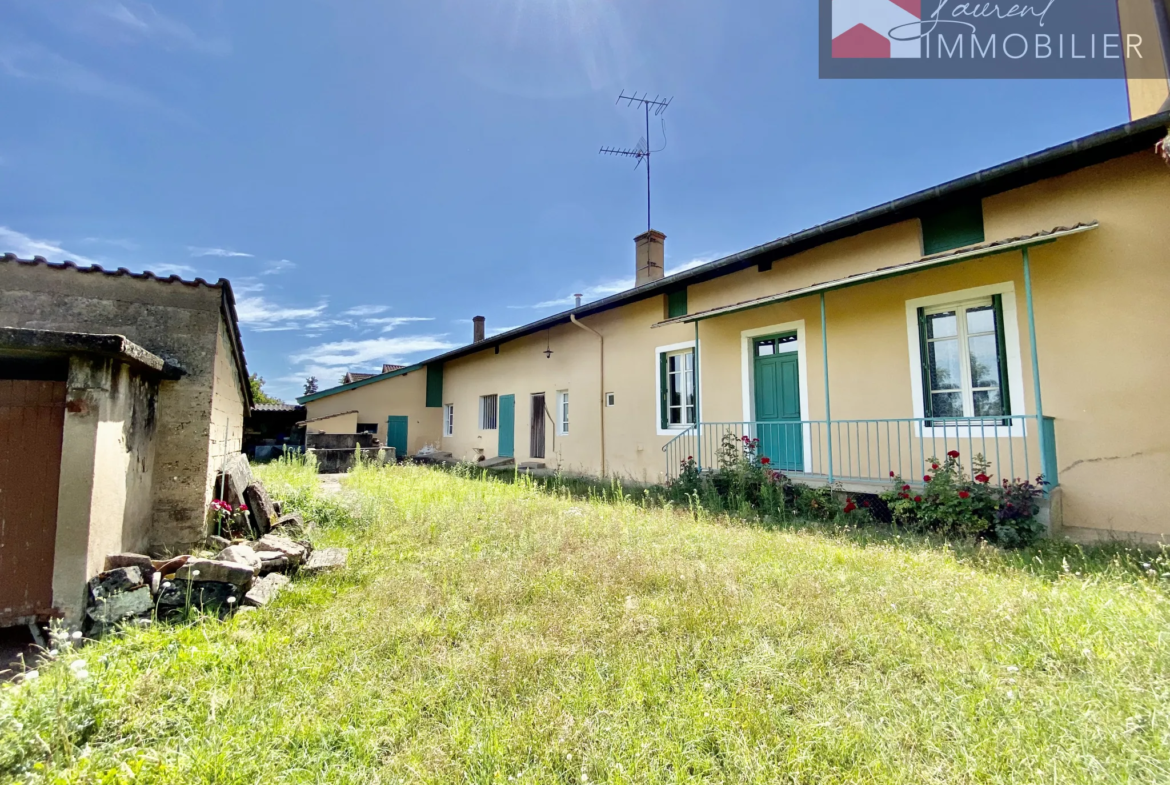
(180, 322)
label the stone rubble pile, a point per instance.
(227, 577)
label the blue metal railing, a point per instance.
(1019, 446)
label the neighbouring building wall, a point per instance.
(1146, 82)
(398, 396)
(104, 496)
(227, 409)
(1101, 333)
(180, 323)
(346, 422)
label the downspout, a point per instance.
(601, 383)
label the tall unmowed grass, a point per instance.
(490, 631)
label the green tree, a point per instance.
(256, 382)
(310, 385)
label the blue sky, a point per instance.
(370, 175)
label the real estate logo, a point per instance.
(953, 39)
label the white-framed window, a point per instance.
(965, 358)
(489, 406)
(676, 387)
(448, 419)
(562, 412)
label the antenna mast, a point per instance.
(641, 152)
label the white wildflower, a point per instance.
(1012, 669)
(78, 665)
(76, 635)
(231, 600)
(32, 675)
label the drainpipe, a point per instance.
(601, 383)
(828, 409)
(1035, 362)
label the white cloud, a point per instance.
(606, 288)
(26, 60)
(127, 245)
(224, 252)
(263, 315)
(181, 270)
(277, 267)
(388, 323)
(12, 241)
(132, 22)
(366, 310)
(331, 360)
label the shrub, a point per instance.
(952, 503)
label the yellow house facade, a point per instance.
(1016, 314)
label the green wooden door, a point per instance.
(777, 390)
(396, 435)
(507, 425)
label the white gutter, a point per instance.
(601, 384)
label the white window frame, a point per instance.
(1013, 361)
(562, 416)
(483, 426)
(673, 348)
(748, 375)
(448, 419)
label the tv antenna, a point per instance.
(641, 152)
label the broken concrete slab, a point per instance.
(122, 579)
(240, 554)
(326, 560)
(111, 608)
(266, 589)
(261, 508)
(141, 561)
(295, 551)
(272, 561)
(236, 476)
(292, 522)
(210, 571)
(217, 543)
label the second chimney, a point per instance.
(477, 329)
(649, 257)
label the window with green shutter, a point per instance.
(953, 227)
(964, 359)
(676, 304)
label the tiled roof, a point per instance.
(223, 284)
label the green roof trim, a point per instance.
(354, 385)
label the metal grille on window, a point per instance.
(489, 405)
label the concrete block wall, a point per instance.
(179, 322)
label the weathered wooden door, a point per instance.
(32, 417)
(536, 431)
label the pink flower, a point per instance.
(891, 473)
(982, 478)
(934, 466)
(746, 439)
(953, 454)
(926, 478)
(765, 460)
(905, 487)
(917, 498)
(964, 495)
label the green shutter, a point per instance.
(663, 397)
(435, 386)
(952, 227)
(676, 304)
(924, 356)
(1005, 399)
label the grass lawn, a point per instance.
(491, 632)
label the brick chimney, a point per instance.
(477, 329)
(649, 257)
